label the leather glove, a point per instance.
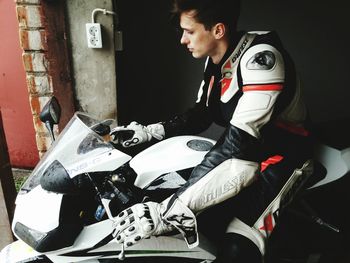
(152, 219)
(136, 133)
(138, 222)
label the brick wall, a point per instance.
(45, 60)
(33, 42)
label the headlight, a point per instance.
(30, 236)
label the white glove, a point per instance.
(152, 219)
(138, 222)
(136, 133)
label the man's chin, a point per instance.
(196, 55)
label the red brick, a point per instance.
(27, 1)
(38, 125)
(37, 104)
(39, 85)
(33, 40)
(35, 62)
(30, 16)
(43, 142)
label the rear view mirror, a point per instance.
(50, 115)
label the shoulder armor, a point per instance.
(262, 64)
(263, 60)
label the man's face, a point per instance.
(199, 41)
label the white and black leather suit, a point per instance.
(255, 94)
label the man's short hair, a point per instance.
(210, 12)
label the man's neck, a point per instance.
(220, 51)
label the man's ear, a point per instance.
(219, 30)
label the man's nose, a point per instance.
(184, 39)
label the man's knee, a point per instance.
(236, 248)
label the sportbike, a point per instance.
(65, 209)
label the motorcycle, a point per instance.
(66, 208)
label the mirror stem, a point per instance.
(50, 129)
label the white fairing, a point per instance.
(172, 246)
(39, 210)
(337, 162)
(17, 251)
(170, 155)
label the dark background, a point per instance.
(157, 77)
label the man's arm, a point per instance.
(194, 121)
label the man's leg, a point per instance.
(216, 224)
(257, 208)
(241, 225)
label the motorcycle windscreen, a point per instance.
(77, 150)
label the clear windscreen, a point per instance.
(76, 143)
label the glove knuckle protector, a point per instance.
(139, 222)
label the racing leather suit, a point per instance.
(255, 94)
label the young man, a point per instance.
(250, 88)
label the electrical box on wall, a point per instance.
(94, 35)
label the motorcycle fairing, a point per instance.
(162, 246)
(79, 150)
(19, 251)
(52, 223)
(171, 155)
(44, 216)
(336, 162)
(94, 244)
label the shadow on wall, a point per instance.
(156, 76)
